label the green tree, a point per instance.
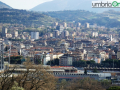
(95, 70)
(114, 88)
(38, 61)
(14, 59)
(53, 62)
(6, 48)
(106, 83)
(84, 84)
(16, 87)
(85, 71)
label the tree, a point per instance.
(6, 48)
(16, 87)
(114, 88)
(34, 77)
(106, 83)
(85, 71)
(80, 63)
(84, 84)
(62, 84)
(38, 61)
(95, 70)
(14, 59)
(53, 62)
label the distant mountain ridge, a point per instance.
(109, 18)
(3, 5)
(60, 5)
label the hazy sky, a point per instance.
(23, 4)
(28, 4)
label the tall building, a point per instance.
(65, 34)
(95, 25)
(15, 34)
(60, 28)
(118, 53)
(78, 24)
(49, 35)
(95, 34)
(4, 32)
(111, 38)
(56, 33)
(55, 23)
(87, 25)
(119, 34)
(34, 35)
(42, 59)
(64, 24)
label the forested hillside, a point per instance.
(109, 18)
(15, 16)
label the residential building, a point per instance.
(78, 24)
(78, 44)
(60, 28)
(49, 35)
(118, 52)
(64, 24)
(15, 34)
(95, 34)
(34, 35)
(41, 58)
(65, 34)
(56, 33)
(55, 23)
(66, 60)
(87, 25)
(4, 31)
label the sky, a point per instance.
(23, 4)
(29, 4)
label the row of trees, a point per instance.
(83, 63)
(107, 63)
(110, 62)
(53, 62)
(80, 63)
(14, 59)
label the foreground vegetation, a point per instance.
(40, 79)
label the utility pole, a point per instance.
(9, 54)
(113, 65)
(2, 55)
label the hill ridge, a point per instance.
(3, 5)
(58, 5)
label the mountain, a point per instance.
(109, 18)
(59, 5)
(24, 17)
(3, 5)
